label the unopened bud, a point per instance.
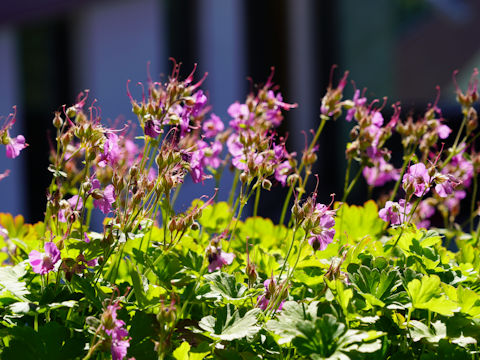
(172, 225)
(133, 171)
(243, 177)
(60, 244)
(57, 120)
(71, 112)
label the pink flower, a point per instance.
(240, 114)
(115, 329)
(43, 263)
(282, 171)
(416, 180)
(270, 287)
(111, 151)
(212, 126)
(381, 173)
(75, 204)
(4, 174)
(358, 102)
(443, 131)
(217, 258)
(15, 146)
(323, 232)
(394, 212)
(104, 203)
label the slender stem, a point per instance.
(288, 252)
(257, 200)
(352, 184)
(347, 177)
(234, 187)
(406, 161)
(472, 204)
(453, 149)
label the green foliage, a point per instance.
(361, 298)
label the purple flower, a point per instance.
(111, 151)
(443, 131)
(152, 128)
(200, 102)
(453, 202)
(322, 234)
(358, 102)
(240, 114)
(377, 119)
(212, 126)
(43, 263)
(381, 173)
(115, 329)
(104, 203)
(15, 145)
(444, 184)
(394, 212)
(270, 289)
(75, 203)
(416, 180)
(282, 171)
(217, 258)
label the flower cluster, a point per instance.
(252, 143)
(317, 220)
(115, 329)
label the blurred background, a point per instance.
(50, 50)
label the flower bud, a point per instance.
(133, 171)
(243, 177)
(172, 225)
(60, 244)
(57, 120)
(71, 112)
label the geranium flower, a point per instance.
(115, 328)
(15, 145)
(212, 126)
(394, 212)
(217, 258)
(43, 263)
(270, 289)
(416, 179)
(106, 199)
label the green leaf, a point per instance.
(377, 287)
(181, 353)
(138, 286)
(287, 321)
(420, 331)
(10, 281)
(424, 294)
(358, 222)
(230, 325)
(226, 285)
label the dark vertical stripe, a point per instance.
(45, 79)
(266, 46)
(182, 32)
